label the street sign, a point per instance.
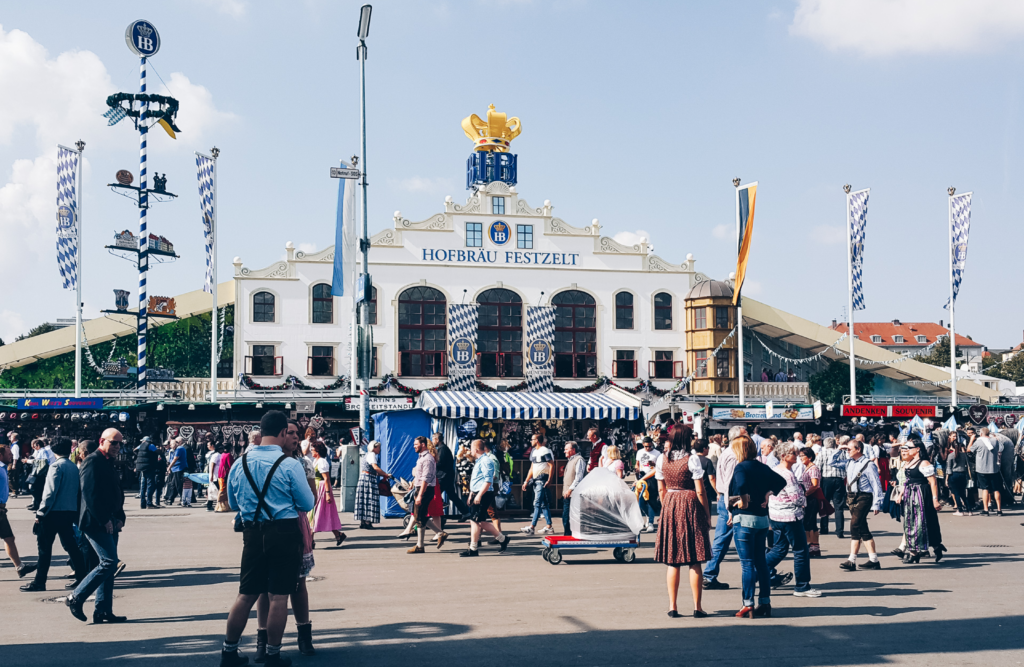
(381, 403)
(342, 172)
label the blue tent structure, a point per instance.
(396, 431)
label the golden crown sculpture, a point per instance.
(496, 134)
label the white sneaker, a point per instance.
(809, 593)
(958, 514)
(528, 530)
(650, 528)
(546, 530)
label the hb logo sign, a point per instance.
(142, 38)
(462, 351)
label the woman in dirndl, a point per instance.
(685, 518)
(325, 512)
(920, 506)
(227, 459)
(367, 511)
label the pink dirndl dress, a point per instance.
(325, 512)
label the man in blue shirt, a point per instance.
(271, 538)
(178, 466)
(863, 494)
(481, 491)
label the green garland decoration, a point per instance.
(168, 113)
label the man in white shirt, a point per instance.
(646, 459)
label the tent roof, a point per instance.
(525, 405)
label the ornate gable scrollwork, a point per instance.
(608, 245)
(438, 223)
(472, 205)
(655, 263)
(559, 226)
(389, 238)
(325, 255)
(522, 208)
(498, 188)
(277, 270)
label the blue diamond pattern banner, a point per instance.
(67, 217)
(540, 353)
(858, 224)
(960, 210)
(462, 324)
(204, 171)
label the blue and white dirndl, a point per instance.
(367, 496)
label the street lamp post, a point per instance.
(364, 242)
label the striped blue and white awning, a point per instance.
(525, 405)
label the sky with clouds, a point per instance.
(638, 114)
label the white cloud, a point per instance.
(632, 238)
(60, 99)
(725, 232)
(233, 8)
(828, 234)
(12, 325)
(197, 114)
(888, 27)
(420, 184)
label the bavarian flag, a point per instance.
(745, 197)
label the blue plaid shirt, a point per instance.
(832, 462)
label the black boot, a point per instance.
(75, 605)
(232, 659)
(261, 647)
(306, 639)
(99, 617)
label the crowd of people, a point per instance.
(772, 497)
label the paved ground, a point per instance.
(374, 605)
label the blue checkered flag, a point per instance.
(858, 207)
(67, 217)
(960, 216)
(115, 115)
(462, 324)
(540, 350)
(204, 170)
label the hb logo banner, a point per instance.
(462, 323)
(540, 358)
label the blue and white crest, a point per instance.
(499, 232)
(66, 227)
(142, 38)
(462, 352)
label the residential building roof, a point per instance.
(896, 333)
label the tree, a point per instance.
(939, 356)
(37, 330)
(831, 384)
(1011, 370)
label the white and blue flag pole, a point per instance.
(206, 171)
(69, 237)
(143, 233)
(78, 290)
(343, 280)
(856, 222)
(959, 230)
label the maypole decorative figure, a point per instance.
(145, 110)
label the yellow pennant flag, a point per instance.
(745, 198)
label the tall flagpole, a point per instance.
(849, 312)
(214, 356)
(739, 301)
(952, 307)
(364, 242)
(80, 145)
(143, 319)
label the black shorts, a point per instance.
(811, 515)
(420, 510)
(480, 512)
(860, 507)
(271, 558)
(990, 481)
(5, 526)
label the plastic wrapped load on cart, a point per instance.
(604, 509)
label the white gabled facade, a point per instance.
(442, 253)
